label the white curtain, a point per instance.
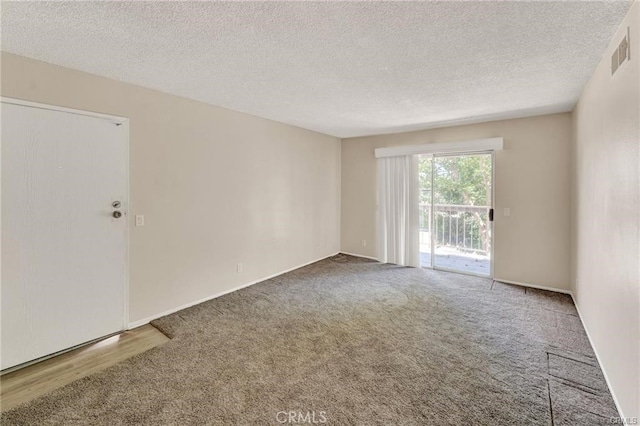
(398, 221)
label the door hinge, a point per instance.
(490, 215)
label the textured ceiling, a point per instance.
(345, 69)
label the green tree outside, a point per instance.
(463, 180)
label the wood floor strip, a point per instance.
(35, 380)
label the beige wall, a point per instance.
(217, 187)
(606, 217)
(532, 178)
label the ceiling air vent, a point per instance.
(621, 54)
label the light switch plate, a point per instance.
(507, 211)
(139, 220)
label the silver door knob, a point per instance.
(117, 214)
(116, 204)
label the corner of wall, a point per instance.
(339, 194)
(572, 204)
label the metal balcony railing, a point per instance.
(465, 228)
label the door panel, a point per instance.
(64, 255)
(456, 196)
(462, 199)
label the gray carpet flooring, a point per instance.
(357, 343)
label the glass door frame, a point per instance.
(432, 225)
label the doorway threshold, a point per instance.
(32, 381)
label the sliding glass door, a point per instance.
(456, 198)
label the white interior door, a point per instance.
(64, 254)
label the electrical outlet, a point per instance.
(364, 243)
(139, 220)
(239, 267)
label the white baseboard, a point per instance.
(359, 255)
(147, 320)
(539, 287)
(604, 373)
